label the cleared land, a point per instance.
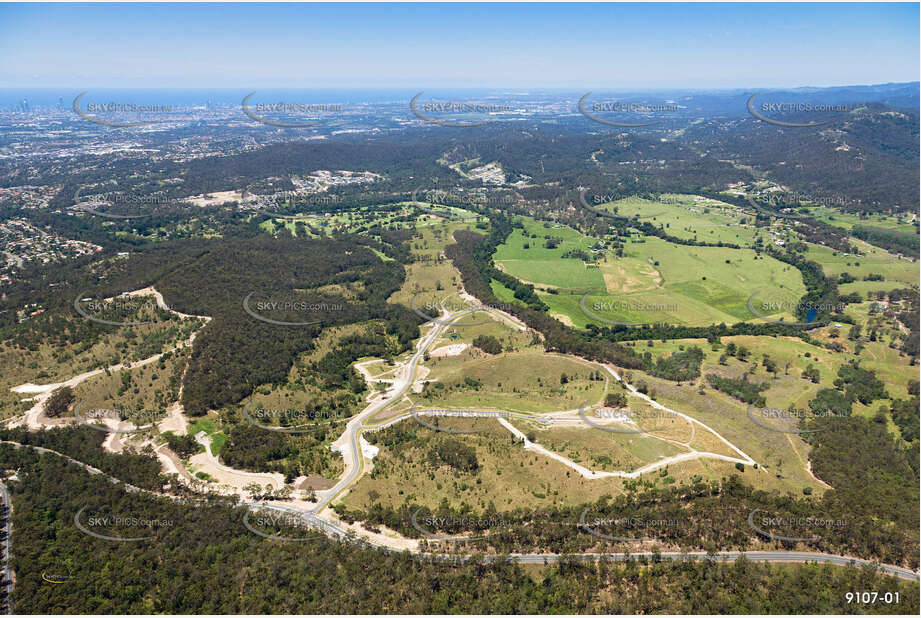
(658, 281)
(48, 363)
(875, 261)
(507, 476)
(691, 217)
(655, 280)
(529, 381)
(535, 255)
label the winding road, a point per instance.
(348, 444)
(336, 532)
(6, 583)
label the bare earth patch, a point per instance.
(449, 350)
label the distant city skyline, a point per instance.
(502, 46)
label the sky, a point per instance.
(457, 45)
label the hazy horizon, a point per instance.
(701, 46)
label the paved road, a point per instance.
(459, 414)
(6, 584)
(354, 427)
(731, 556)
(334, 531)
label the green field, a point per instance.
(691, 217)
(875, 261)
(545, 266)
(689, 285)
(902, 222)
(601, 450)
(527, 381)
(655, 281)
(359, 220)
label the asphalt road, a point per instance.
(724, 556)
(731, 556)
(333, 531)
(6, 603)
(354, 430)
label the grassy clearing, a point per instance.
(657, 281)
(507, 477)
(876, 261)
(781, 468)
(213, 429)
(49, 363)
(529, 381)
(600, 450)
(431, 279)
(217, 443)
(690, 217)
(900, 222)
(542, 264)
(208, 425)
(789, 388)
(151, 387)
(865, 287)
(503, 293)
(784, 454)
(483, 323)
(378, 369)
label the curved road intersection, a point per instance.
(349, 445)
